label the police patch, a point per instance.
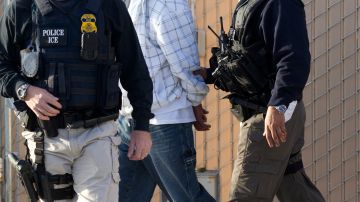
(53, 36)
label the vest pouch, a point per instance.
(30, 63)
(80, 83)
(89, 46)
(110, 91)
(238, 75)
(240, 71)
(241, 113)
(232, 77)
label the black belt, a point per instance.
(78, 120)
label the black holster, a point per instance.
(49, 127)
(26, 174)
(241, 113)
(243, 109)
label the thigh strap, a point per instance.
(294, 167)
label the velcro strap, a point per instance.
(63, 193)
(293, 168)
(62, 81)
(61, 179)
(38, 159)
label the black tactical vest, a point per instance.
(79, 84)
(245, 19)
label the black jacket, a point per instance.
(281, 26)
(15, 31)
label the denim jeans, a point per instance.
(170, 164)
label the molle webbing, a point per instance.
(244, 11)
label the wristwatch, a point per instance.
(22, 90)
(281, 108)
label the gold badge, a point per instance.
(88, 23)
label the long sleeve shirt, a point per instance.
(282, 26)
(16, 30)
(167, 37)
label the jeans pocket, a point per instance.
(115, 142)
(189, 159)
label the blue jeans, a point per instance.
(170, 164)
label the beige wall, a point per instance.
(332, 99)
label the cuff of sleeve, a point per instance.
(277, 101)
(209, 78)
(141, 124)
(194, 104)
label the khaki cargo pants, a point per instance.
(90, 155)
(259, 171)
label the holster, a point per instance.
(243, 109)
(27, 117)
(89, 46)
(241, 113)
(26, 174)
(50, 127)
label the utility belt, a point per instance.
(243, 109)
(72, 120)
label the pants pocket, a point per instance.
(115, 142)
(189, 159)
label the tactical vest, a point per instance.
(79, 84)
(252, 67)
(244, 13)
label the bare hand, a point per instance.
(274, 130)
(200, 116)
(202, 72)
(42, 103)
(140, 145)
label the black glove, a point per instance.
(213, 62)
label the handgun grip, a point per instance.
(14, 160)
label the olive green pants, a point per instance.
(259, 170)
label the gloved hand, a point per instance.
(206, 73)
(213, 62)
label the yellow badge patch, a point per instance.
(88, 23)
